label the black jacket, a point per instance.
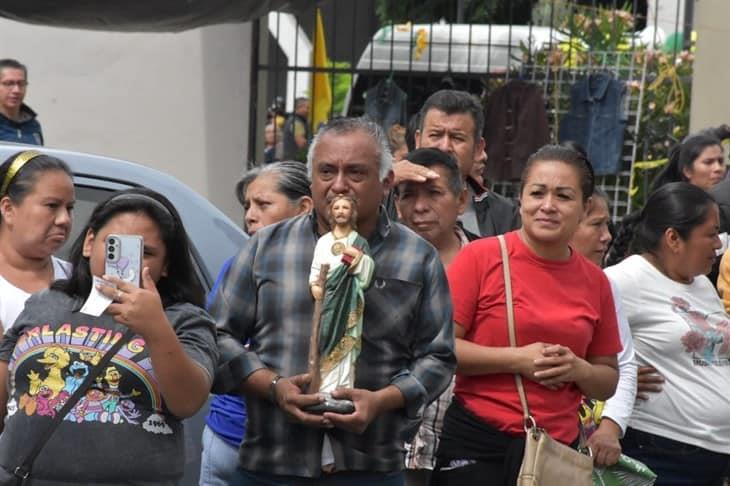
(496, 214)
(721, 193)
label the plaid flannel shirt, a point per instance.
(407, 342)
(421, 451)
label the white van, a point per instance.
(423, 58)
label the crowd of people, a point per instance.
(421, 340)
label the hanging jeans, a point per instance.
(596, 120)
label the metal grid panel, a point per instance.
(556, 81)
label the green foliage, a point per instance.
(666, 103)
(664, 113)
(475, 11)
(601, 29)
(341, 84)
(588, 33)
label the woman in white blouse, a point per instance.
(680, 328)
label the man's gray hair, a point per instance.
(344, 126)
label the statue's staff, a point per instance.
(314, 371)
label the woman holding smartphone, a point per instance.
(126, 428)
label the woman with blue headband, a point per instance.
(36, 203)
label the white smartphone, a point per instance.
(124, 257)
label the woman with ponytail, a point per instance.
(680, 329)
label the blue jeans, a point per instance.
(675, 463)
(249, 478)
(219, 460)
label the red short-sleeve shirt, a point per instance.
(556, 302)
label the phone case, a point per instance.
(124, 257)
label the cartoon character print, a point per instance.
(708, 338)
(49, 389)
(43, 394)
(50, 364)
(123, 269)
(89, 408)
(590, 413)
(105, 403)
(78, 372)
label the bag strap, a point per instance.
(511, 327)
(23, 471)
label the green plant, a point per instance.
(586, 35)
(341, 82)
(664, 113)
(601, 29)
(474, 11)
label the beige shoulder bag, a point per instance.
(546, 462)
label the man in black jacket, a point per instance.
(452, 121)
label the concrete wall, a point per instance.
(176, 102)
(710, 95)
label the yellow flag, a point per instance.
(321, 88)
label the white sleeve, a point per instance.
(619, 407)
(319, 257)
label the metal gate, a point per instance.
(477, 46)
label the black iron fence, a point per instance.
(478, 47)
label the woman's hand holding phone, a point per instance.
(138, 308)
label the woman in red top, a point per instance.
(565, 321)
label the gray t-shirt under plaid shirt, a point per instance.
(407, 341)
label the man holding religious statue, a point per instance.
(405, 343)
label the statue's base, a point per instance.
(333, 405)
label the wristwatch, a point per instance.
(272, 389)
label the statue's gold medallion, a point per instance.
(337, 248)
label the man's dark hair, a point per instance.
(299, 101)
(454, 102)
(431, 157)
(13, 64)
